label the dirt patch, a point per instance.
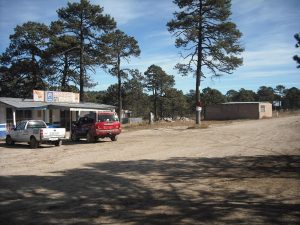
(242, 172)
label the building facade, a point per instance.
(238, 110)
(57, 114)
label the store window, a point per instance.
(23, 115)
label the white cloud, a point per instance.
(267, 58)
(265, 74)
(128, 11)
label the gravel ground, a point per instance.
(245, 172)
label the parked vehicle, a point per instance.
(35, 132)
(105, 124)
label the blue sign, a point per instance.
(49, 97)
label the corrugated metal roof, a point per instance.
(20, 103)
(86, 105)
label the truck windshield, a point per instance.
(107, 118)
(36, 124)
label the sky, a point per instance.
(268, 28)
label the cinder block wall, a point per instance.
(232, 111)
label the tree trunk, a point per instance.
(155, 104)
(119, 89)
(199, 65)
(64, 76)
(81, 73)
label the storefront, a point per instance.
(54, 113)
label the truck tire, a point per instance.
(9, 140)
(33, 143)
(114, 138)
(58, 143)
(90, 138)
(74, 137)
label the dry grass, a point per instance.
(162, 124)
(191, 124)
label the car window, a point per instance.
(21, 125)
(36, 124)
(90, 120)
(107, 118)
(85, 120)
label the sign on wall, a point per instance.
(38, 96)
(55, 96)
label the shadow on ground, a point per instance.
(231, 190)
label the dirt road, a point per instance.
(245, 173)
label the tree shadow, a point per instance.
(84, 141)
(243, 190)
(25, 146)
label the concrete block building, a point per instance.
(238, 110)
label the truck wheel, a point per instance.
(74, 137)
(114, 138)
(9, 140)
(33, 142)
(58, 143)
(90, 138)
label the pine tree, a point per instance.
(23, 68)
(208, 37)
(117, 46)
(296, 57)
(87, 23)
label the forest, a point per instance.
(63, 55)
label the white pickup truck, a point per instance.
(35, 132)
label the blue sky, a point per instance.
(268, 27)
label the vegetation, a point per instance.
(159, 83)
(61, 55)
(115, 47)
(23, 67)
(87, 24)
(296, 57)
(209, 39)
(175, 103)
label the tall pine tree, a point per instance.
(87, 23)
(210, 40)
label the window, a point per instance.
(36, 124)
(85, 120)
(262, 108)
(21, 125)
(23, 115)
(107, 118)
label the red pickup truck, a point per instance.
(106, 124)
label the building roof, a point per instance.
(20, 103)
(228, 103)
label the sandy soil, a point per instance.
(240, 173)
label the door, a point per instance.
(19, 133)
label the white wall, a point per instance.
(55, 115)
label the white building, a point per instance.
(60, 114)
